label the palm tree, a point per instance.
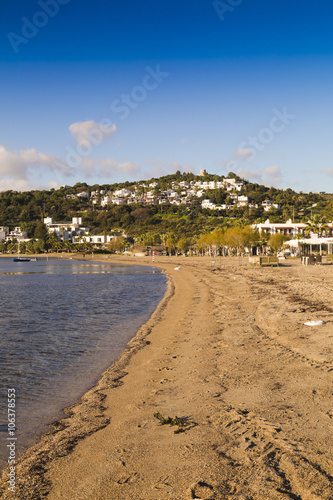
(68, 246)
(52, 241)
(317, 225)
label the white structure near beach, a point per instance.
(66, 231)
(94, 239)
(313, 245)
(4, 230)
(288, 228)
(298, 243)
(17, 234)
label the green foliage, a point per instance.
(183, 423)
(276, 242)
(175, 225)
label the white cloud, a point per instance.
(110, 166)
(328, 171)
(25, 169)
(250, 175)
(92, 133)
(272, 171)
(158, 168)
(25, 185)
(174, 167)
(243, 154)
(28, 169)
(271, 176)
(128, 168)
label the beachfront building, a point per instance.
(66, 231)
(98, 239)
(94, 239)
(3, 233)
(309, 246)
(17, 234)
(288, 228)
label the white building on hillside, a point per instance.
(122, 193)
(208, 204)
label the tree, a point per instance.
(117, 244)
(218, 239)
(234, 239)
(171, 244)
(52, 241)
(184, 245)
(40, 231)
(201, 243)
(317, 225)
(276, 242)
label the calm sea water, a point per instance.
(62, 323)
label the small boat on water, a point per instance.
(18, 258)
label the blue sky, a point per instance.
(106, 91)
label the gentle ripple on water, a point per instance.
(61, 324)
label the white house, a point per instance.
(3, 232)
(95, 239)
(233, 184)
(84, 194)
(208, 204)
(16, 234)
(242, 201)
(268, 204)
(288, 228)
(66, 230)
(122, 193)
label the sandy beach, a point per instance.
(227, 352)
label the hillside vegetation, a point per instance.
(138, 220)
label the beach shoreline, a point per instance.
(227, 352)
(111, 375)
(65, 387)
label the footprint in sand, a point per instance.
(202, 491)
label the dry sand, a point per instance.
(226, 350)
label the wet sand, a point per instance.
(228, 353)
